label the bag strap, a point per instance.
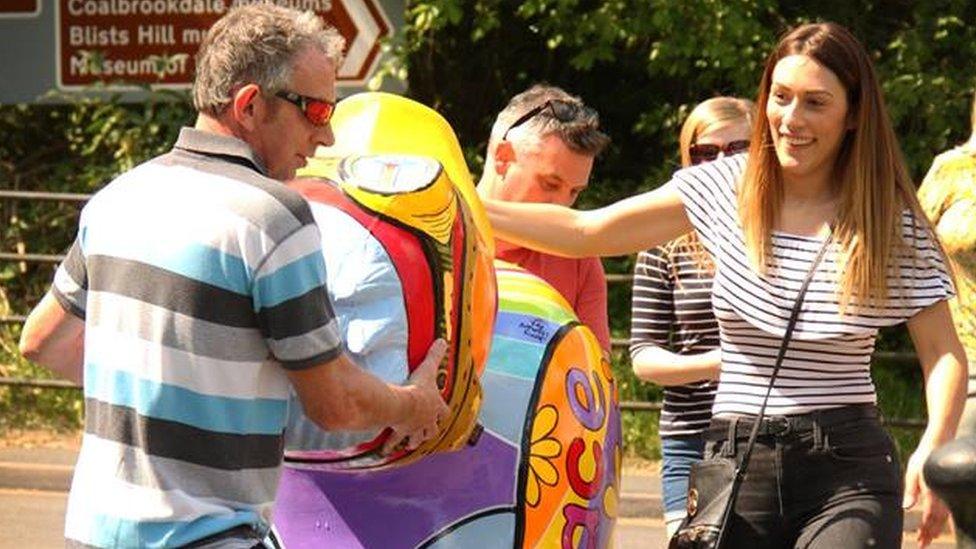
(743, 465)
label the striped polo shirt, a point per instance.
(199, 280)
(672, 309)
(827, 363)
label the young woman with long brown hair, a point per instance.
(674, 334)
(823, 169)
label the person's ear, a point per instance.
(245, 106)
(504, 157)
(851, 123)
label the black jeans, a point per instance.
(827, 479)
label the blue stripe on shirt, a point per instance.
(246, 416)
(290, 281)
(208, 265)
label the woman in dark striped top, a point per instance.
(823, 154)
(674, 335)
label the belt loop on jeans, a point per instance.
(731, 440)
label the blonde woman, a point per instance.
(674, 335)
(823, 169)
(948, 195)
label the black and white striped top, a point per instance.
(827, 363)
(672, 309)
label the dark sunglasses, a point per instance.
(317, 111)
(706, 152)
(563, 111)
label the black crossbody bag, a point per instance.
(715, 483)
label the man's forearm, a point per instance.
(54, 338)
(65, 359)
(342, 396)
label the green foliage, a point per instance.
(640, 428)
(644, 63)
(900, 396)
(32, 408)
(76, 147)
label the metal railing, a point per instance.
(31, 258)
(39, 383)
(894, 358)
(36, 195)
(625, 406)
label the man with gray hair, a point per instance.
(196, 285)
(541, 149)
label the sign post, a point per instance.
(125, 44)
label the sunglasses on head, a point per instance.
(317, 111)
(706, 152)
(563, 111)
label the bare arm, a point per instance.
(339, 395)
(54, 338)
(652, 363)
(625, 227)
(944, 366)
(653, 321)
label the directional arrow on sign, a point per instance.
(363, 23)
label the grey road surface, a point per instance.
(35, 519)
(31, 518)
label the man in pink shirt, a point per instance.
(541, 149)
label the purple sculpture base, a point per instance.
(412, 504)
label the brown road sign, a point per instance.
(126, 42)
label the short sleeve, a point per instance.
(70, 286)
(652, 305)
(920, 276)
(292, 303)
(708, 192)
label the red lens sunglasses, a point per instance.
(317, 111)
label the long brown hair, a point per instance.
(870, 173)
(717, 110)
